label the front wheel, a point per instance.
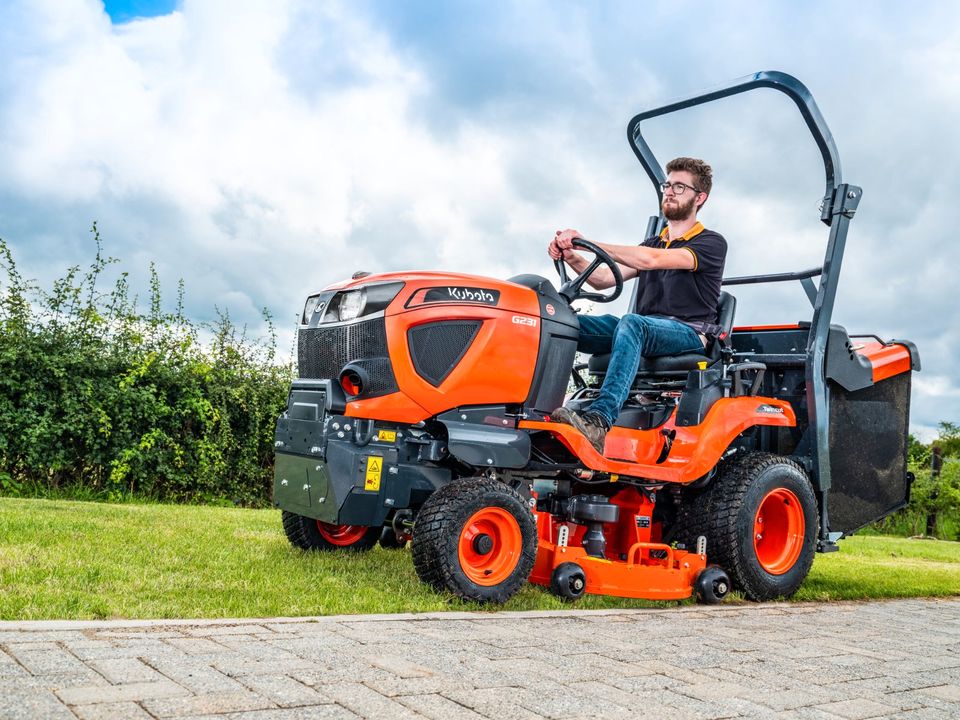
(475, 538)
(309, 534)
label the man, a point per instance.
(680, 275)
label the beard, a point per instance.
(675, 210)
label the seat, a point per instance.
(677, 366)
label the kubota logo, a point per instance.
(521, 320)
(460, 294)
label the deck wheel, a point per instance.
(568, 581)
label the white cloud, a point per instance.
(264, 149)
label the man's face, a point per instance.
(680, 207)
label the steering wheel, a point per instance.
(573, 289)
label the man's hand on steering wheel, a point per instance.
(566, 241)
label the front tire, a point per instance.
(760, 520)
(476, 539)
(309, 534)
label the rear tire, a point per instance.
(475, 538)
(760, 520)
(309, 534)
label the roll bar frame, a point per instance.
(837, 209)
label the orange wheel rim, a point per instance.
(341, 535)
(778, 530)
(490, 546)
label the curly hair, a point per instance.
(702, 173)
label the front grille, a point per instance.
(436, 348)
(323, 351)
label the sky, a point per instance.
(261, 150)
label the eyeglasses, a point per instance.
(678, 188)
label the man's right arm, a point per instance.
(601, 278)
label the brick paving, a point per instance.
(848, 661)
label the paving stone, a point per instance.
(285, 691)
(857, 709)
(206, 704)
(498, 703)
(125, 670)
(28, 705)
(196, 676)
(240, 667)
(313, 712)
(343, 673)
(133, 692)
(195, 645)
(112, 711)
(215, 630)
(690, 706)
(40, 636)
(438, 707)
(628, 700)
(950, 693)
(557, 701)
(717, 690)
(366, 702)
(141, 647)
(52, 682)
(401, 666)
(788, 698)
(40, 659)
(10, 667)
(777, 660)
(393, 686)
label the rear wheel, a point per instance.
(760, 520)
(309, 534)
(475, 538)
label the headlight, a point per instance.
(367, 300)
(310, 308)
(351, 304)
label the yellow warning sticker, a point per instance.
(374, 468)
(387, 435)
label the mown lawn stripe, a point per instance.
(81, 560)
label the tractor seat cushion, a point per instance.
(597, 364)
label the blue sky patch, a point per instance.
(121, 11)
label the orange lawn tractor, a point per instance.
(422, 414)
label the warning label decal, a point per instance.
(374, 468)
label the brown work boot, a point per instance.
(590, 425)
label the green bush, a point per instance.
(99, 399)
(933, 496)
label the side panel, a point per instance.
(868, 452)
(496, 368)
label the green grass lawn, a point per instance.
(78, 560)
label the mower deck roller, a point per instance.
(423, 407)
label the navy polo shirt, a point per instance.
(685, 294)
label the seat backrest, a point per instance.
(726, 310)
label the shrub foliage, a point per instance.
(101, 399)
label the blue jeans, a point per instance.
(628, 339)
